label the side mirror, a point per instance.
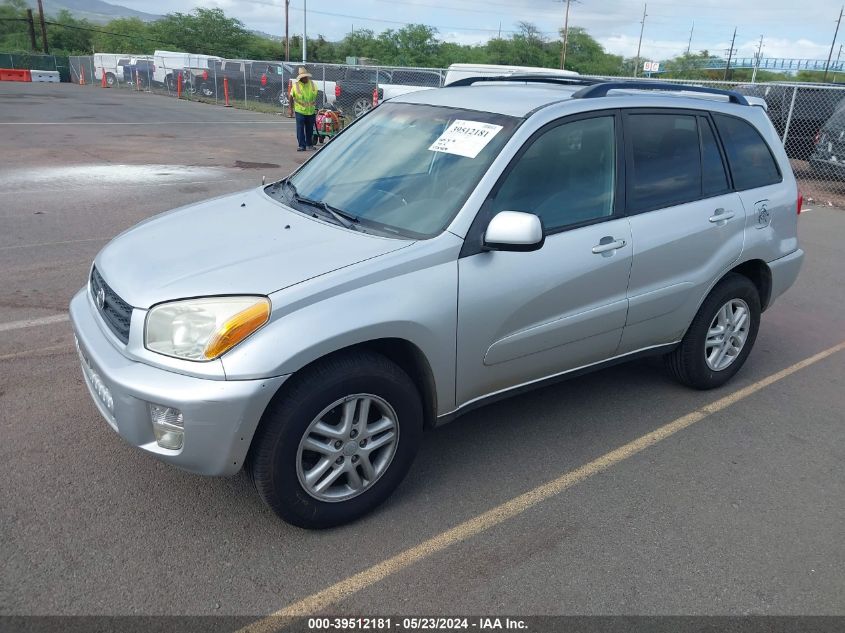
(514, 231)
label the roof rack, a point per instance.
(535, 78)
(601, 88)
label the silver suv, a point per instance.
(451, 247)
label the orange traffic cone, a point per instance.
(104, 84)
(82, 76)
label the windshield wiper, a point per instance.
(347, 220)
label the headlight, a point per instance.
(203, 329)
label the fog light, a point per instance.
(168, 426)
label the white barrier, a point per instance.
(46, 76)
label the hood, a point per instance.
(244, 243)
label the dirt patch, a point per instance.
(247, 165)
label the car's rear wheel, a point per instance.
(206, 90)
(720, 337)
(337, 441)
(111, 80)
(361, 106)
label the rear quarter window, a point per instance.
(749, 157)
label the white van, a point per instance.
(462, 71)
(168, 64)
(112, 65)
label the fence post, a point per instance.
(789, 116)
(215, 82)
(246, 105)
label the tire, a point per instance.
(361, 106)
(111, 80)
(279, 455)
(206, 90)
(170, 83)
(690, 363)
(282, 98)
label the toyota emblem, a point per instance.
(101, 298)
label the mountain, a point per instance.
(96, 11)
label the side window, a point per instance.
(713, 176)
(666, 161)
(567, 175)
(751, 160)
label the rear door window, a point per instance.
(664, 159)
(713, 175)
(751, 161)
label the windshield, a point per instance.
(405, 168)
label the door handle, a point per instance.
(605, 247)
(721, 216)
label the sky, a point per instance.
(789, 28)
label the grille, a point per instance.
(115, 311)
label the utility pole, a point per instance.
(304, 30)
(832, 44)
(45, 48)
(31, 24)
(565, 37)
(639, 45)
(287, 38)
(689, 44)
(730, 52)
(758, 57)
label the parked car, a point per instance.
(168, 65)
(111, 64)
(140, 69)
(812, 107)
(462, 71)
(353, 91)
(516, 234)
(828, 158)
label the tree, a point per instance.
(205, 31)
(586, 56)
(412, 45)
(125, 35)
(69, 35)
(13, 28)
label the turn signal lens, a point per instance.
(237, 329)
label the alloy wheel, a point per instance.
(347, 447)
(727, 334)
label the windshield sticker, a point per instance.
(465, 138)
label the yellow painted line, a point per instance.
(516, 506)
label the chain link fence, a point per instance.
(810, 118)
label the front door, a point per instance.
(523, 316)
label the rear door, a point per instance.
(687, 224)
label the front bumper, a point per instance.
(220, 416)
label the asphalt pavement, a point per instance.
(739, 513)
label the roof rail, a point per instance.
(535, 78)
(601, 88)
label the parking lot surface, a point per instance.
(737, 513)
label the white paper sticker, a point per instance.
(465, 138)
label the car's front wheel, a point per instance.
(720, 337)
(337, 441)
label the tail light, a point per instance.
(264, 79)
(817, 138)
(337, 90)
(800, 203)
(204, 75)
